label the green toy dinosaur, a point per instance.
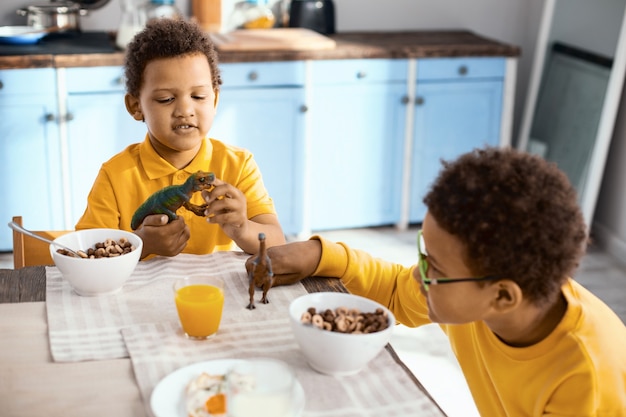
(170, 199)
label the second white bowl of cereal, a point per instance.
(104, 272)
(339, 333)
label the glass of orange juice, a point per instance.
(199, 302)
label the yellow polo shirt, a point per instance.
(130, 177)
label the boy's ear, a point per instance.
(133, 107)
(507, 295)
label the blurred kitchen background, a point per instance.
(516, 22)
(577, 86)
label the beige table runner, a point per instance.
(382, 389)
(141, 322)
(88, 328)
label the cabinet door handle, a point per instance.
(419, 101)
(66, 118)
(49, 117)
(405, 100)
(361, 74)
(463, 70)
(1, 85)
(253, 76)
(304, 108)
(119, 80)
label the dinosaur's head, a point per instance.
(202, 180)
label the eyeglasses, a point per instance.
(422, 264)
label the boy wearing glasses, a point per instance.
(501, 238)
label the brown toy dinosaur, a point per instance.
(260, 274)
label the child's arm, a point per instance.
(227, 207)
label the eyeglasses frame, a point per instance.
(422, 265)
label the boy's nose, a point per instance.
(184, 108)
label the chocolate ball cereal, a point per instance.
(107, 249)
(343, 320)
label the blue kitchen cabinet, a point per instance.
(458, 107)
(355, 142)
(261, 108)
(97, 125)
(30, 153)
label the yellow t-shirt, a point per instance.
(578, 370)
(130, 177)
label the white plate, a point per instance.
(168, 397)
(21, 34)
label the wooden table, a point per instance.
(28, 285)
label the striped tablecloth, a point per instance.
(140, 322)
(381, 389)
(88, 328)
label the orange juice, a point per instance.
(199, 309)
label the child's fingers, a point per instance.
(155, 220)
(221, 192)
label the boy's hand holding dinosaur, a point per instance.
(227, 207)
(163, 238)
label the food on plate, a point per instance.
(344, 320)
(205, 396)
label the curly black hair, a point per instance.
(517, 215)
(167, 38)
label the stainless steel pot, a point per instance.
(59, 16)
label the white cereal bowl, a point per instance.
(335, 353)
(101, 276)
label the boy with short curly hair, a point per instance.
(173, 83)
(181, 38)
(501, 238)
(491, 195)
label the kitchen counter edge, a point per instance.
(350, 45)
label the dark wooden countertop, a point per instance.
(352, 45)
(420, 44)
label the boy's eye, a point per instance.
(164, 100)
(433, 270)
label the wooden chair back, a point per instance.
(28, 251)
